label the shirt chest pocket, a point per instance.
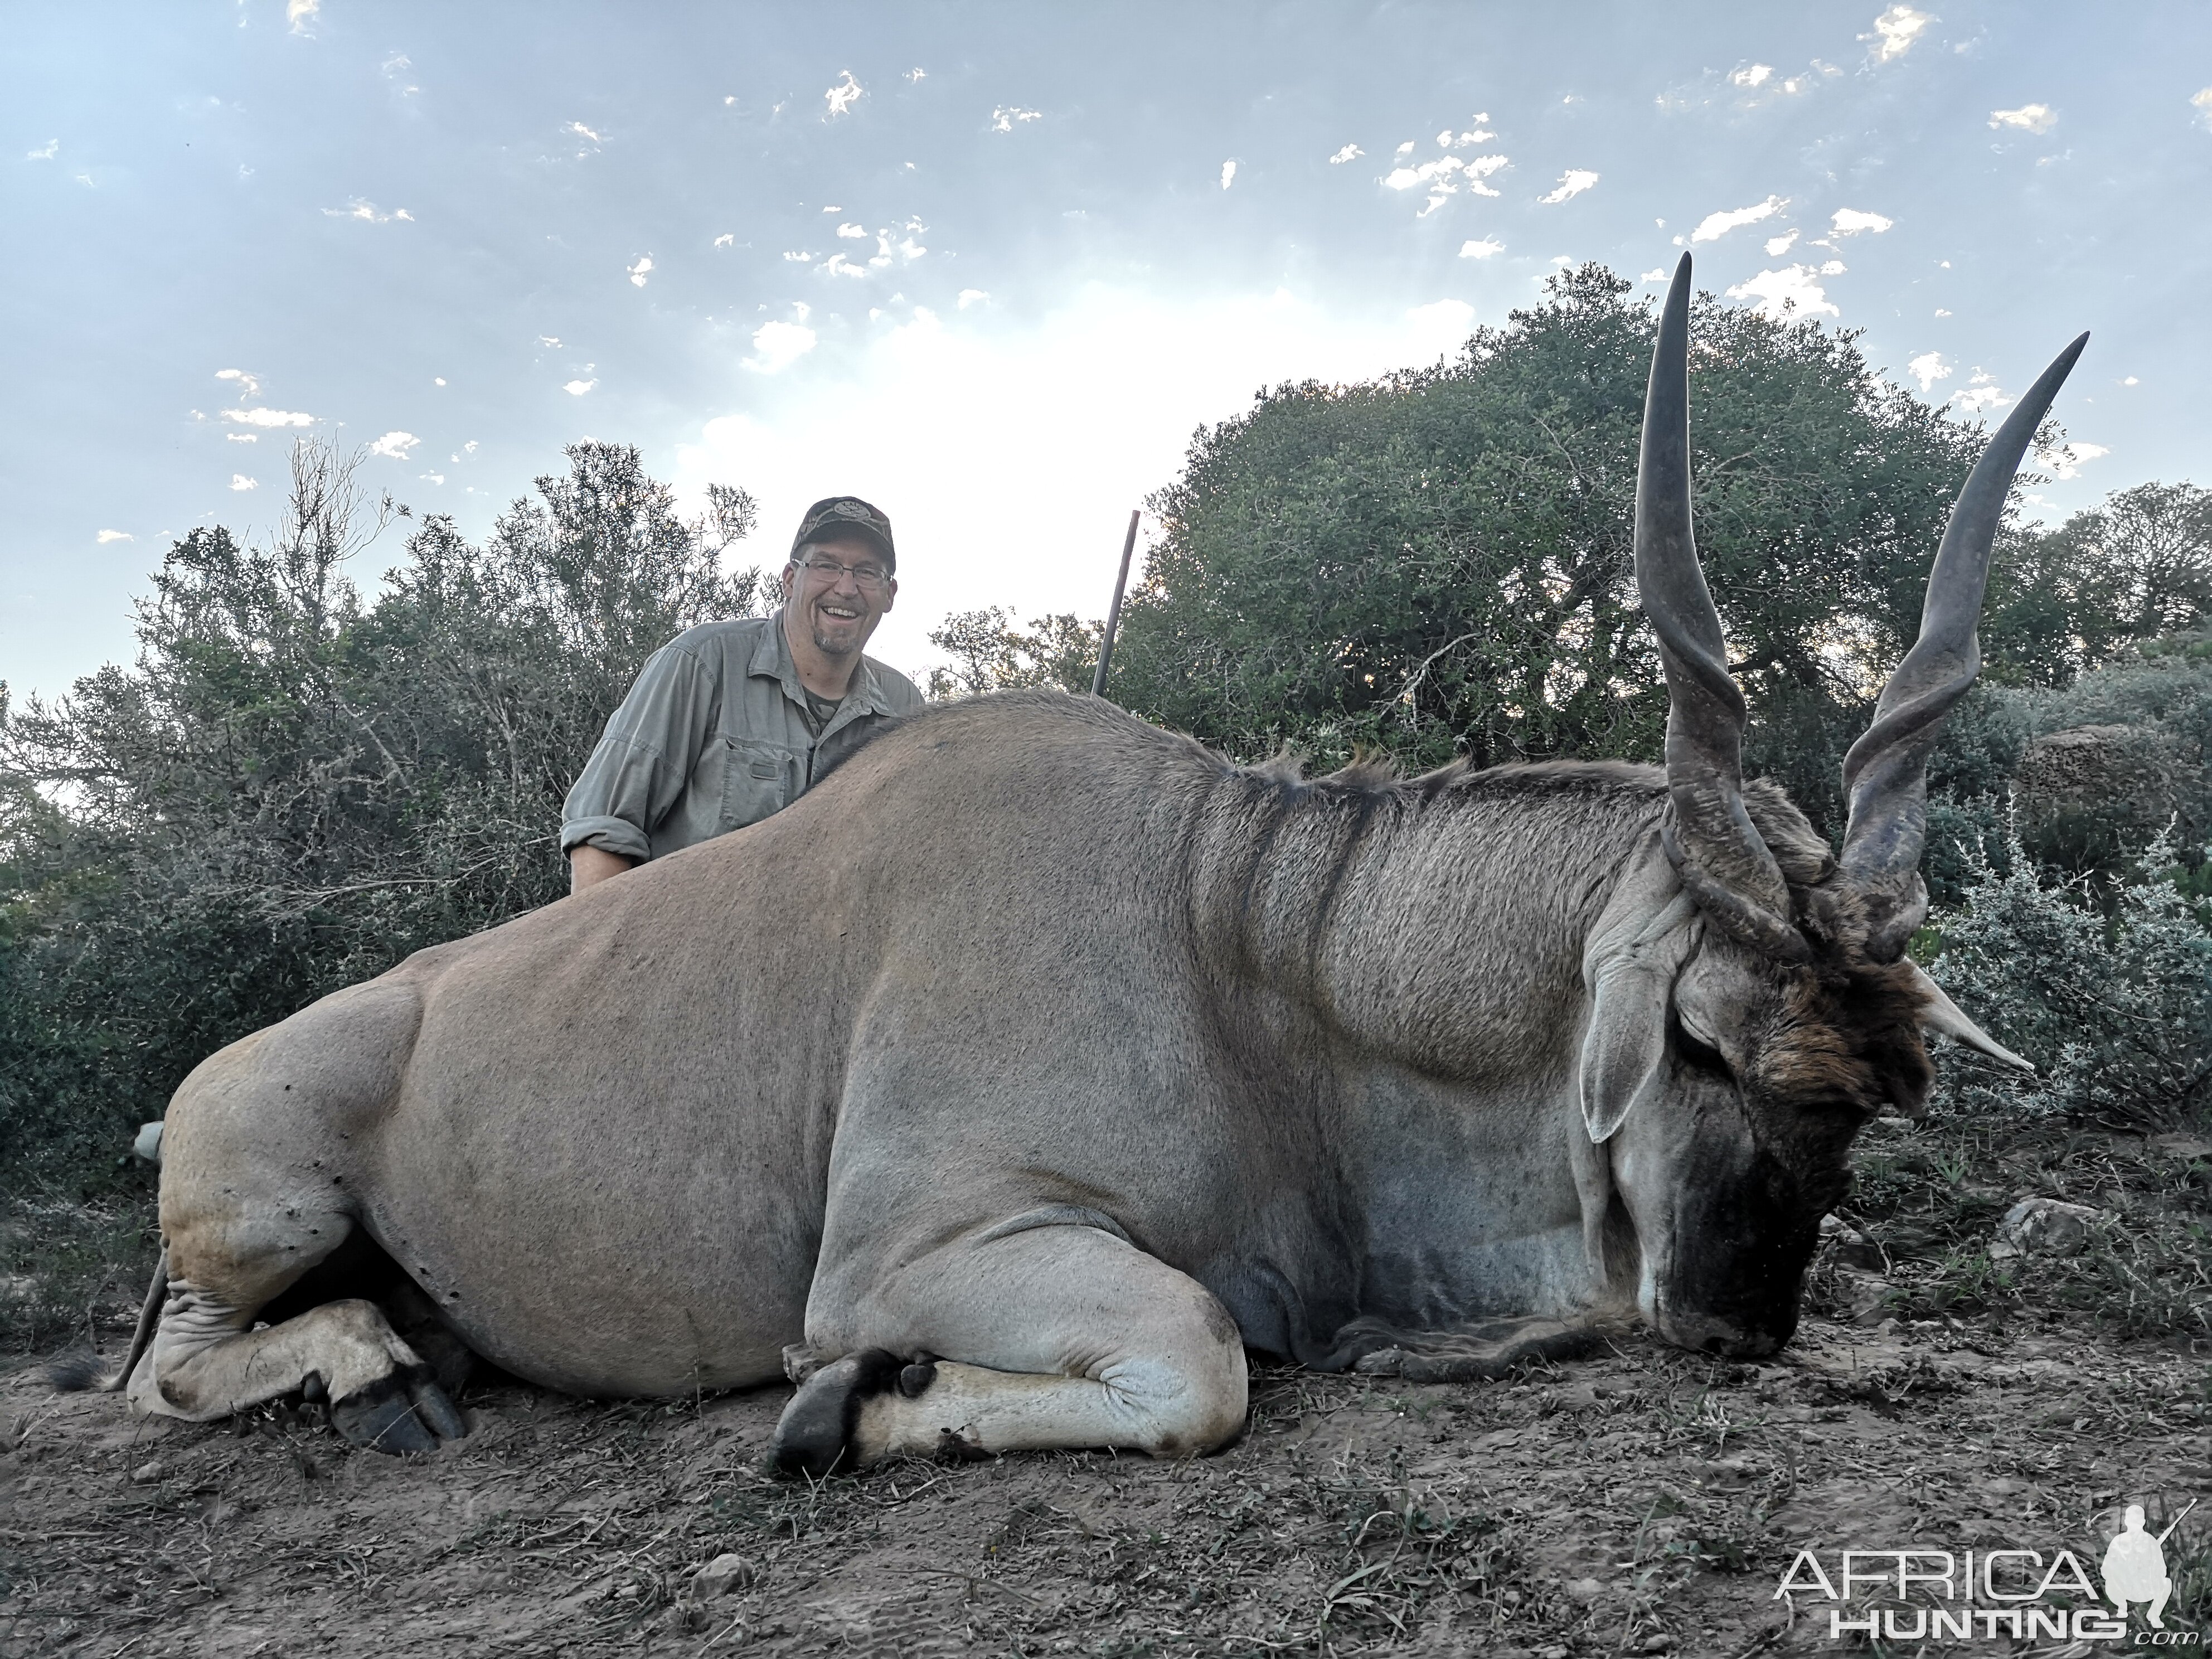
(757, 779)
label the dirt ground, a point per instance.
(1646, 1501)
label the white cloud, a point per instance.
(1481, 168)
(394, 444)
(842, 96)
(1478, 135)
(1779, 245)
(243, 437)
(248, 387)
(1752, 74)
(1003, 117)
(1352, 152)
(299, 13)
(1573, 182)
(972, 296)
(1228, 174)
(1444, 175)
(917, 73)
(798, 259)
(2202, 103)
(550, 340)
(1486, 248)
(46, 152)
(2131, 381)
(1850, 221)
(434, 477)
(639, 272)
(1895, 30)
(1927, 368)
(2028, 118)
(1792, 291)
(1656, 274)
(2069, 459)
(107, 535)
(1982, 393)
(726, 239)
(838, 265)
(1405, 149)
(856, 233)
(267, 418)
(1715, 225)
(240, 480)
(777, 346)
(365, 212)
(581, 132)
(578, 388)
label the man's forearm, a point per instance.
(590, 866)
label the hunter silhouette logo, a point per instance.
(1983, 1594)
(2135, 1566)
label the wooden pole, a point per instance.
(1113, 610)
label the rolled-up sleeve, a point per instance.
(644, 759)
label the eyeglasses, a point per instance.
(868, 578)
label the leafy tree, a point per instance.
(2078, 598)
(989, 653)
(293, 787)
(1438, 562)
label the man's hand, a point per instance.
(590, 866)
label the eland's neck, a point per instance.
(1442, 927)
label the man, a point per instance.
(733, 720)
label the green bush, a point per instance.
(2116, 1010)
(294, 787)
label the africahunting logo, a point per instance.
(1970, 1595)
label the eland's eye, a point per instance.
(1696, 1052)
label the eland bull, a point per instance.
(1015, 1082)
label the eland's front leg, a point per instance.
(1019, 1338)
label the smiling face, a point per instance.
(835, 592)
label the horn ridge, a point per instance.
(1709, 838)
(1886, 773)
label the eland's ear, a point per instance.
(1630, 982)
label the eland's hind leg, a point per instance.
(1036, 1333)
(256, 1162)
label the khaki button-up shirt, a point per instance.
(713, 736)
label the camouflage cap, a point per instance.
(835, 517)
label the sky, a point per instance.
(991, 265)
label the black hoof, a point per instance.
(815, 1436)
(406, 1411)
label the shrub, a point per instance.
(2116, 1010)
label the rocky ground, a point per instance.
(1944, 1393)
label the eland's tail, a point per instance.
(76, 1373)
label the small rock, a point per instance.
(627, 1592)
(1850, 1247)
(1585, 1589)
(147, 1474)
(1659, 1643)
(2182, 1146)
(722, 1575)
(2047, 1226)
